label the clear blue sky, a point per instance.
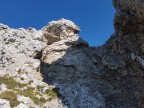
(95, 17)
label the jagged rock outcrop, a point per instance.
(128, 41)
(19, 70)
(54, 67)
(57, 30)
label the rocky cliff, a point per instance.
(55, 68)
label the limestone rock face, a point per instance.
(19, 49)
(60, 70)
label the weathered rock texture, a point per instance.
(55, 57)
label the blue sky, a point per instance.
(95, 17)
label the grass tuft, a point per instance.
(10, 82)
(39, 87)
(11, 97)
(30, 92)
(53, 93)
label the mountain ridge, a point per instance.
(55, 68)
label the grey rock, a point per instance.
(108, 76)
(21, 105)
(55, 103)
(3, 87)
(25, 100)
(78, 96)
(56, 27)
(4, 103)
(113, 61)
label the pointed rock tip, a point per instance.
(65, 23)
(62, 24)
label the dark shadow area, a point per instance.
(80, 76)
(74, 74)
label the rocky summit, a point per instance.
(55, 68)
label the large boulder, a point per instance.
(57, 30)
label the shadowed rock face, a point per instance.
(129, 25)
(114, 70)
(109, 76)
(128, 41)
